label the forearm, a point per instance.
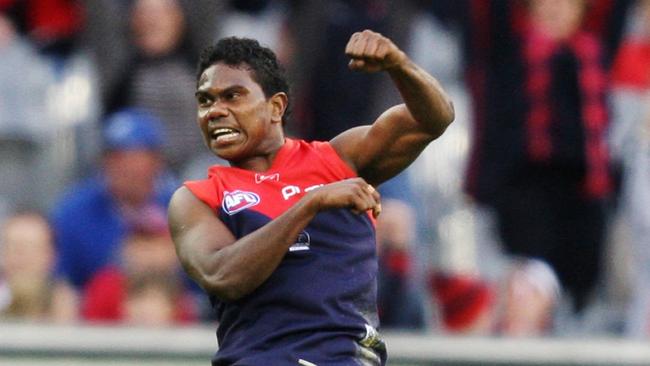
(424, 97)
(236, 270)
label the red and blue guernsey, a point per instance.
(319, 306)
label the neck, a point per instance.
(263, 161)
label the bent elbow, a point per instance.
(444, 119)
(447, 116)
(225, 294)
(216, 281)
(223, 289)
(450, 113)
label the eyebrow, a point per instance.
(206, 91)
(201, 93)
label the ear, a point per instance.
(278, 104)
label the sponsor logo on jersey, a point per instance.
(290, 191)
(236, 201)
(259, 178)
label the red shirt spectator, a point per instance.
(144, 288)
(108, 293)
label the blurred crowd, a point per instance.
(529, 217)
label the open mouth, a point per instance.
(224, 134)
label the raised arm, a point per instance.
(380, 151)
(231, 268)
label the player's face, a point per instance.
(234, 115)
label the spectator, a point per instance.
(94, 216)
(52, 25)
(26, 267)
(464, 301)
(264, 20)
(152, 299)
(529, 299)
(41, 36)
(22, 107)
(630, 140)
(539, 156)
(143, 287)
(160, 77)
(400, 306)
(340, 99)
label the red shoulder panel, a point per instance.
(206, 191)
(298, 167)
(334, 162)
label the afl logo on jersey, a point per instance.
(236, 201)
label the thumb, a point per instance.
(356, 64)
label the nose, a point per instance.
(217, 110)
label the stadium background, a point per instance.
(66, 64)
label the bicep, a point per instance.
(197, 232)
(382, 150)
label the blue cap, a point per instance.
(133, 129)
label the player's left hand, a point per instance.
(371, 52)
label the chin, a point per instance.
(230, 155)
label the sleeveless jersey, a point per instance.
(319, 306)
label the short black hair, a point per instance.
(236, 51)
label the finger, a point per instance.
(359, 204)
(353, 39)
(376, 198)
(367, 199)
(357, 64)
(382, 50)
(375, 194)
(356, 46)
(376, 211)
(358, 200)
(360, 45)
(370, 190)
(370, 49)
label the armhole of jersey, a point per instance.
(205, 191)
(339, 167)
(334, 160)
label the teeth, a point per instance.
(223, 131)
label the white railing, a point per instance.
(32, 344)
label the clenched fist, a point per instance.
(371, 52)
(354, 194)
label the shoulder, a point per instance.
(186, 204)
(184, 196)
(206, 190)
(186, 212)
(324, 154)
(307, 148)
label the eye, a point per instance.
(203, 100)
(231, 95)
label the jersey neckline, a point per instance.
(278, 161)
